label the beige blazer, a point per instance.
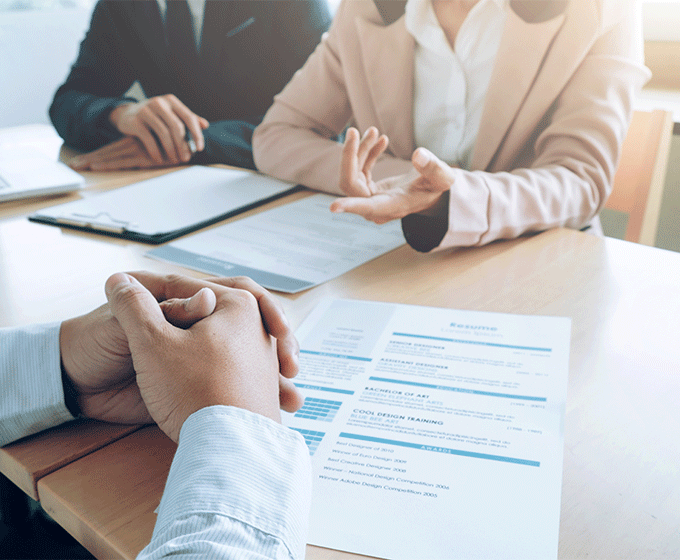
(555, 116)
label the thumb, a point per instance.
(438, 173)
(134, 307)
(290, 398)
(185, 312)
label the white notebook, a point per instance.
(34, 175)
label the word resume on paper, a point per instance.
(434, 433)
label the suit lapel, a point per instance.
(520, 56)
(566, 53)
(387, 57)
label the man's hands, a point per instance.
(126, 153)
(96, 356)
(155, 136)
(166, 118)
(227, 358)
(160, 123)
(394, 197)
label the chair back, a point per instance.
(640, 177)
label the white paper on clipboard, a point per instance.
(159, 209)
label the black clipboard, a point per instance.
(169, 206)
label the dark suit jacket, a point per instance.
(249, 51)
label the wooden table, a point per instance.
(621, 483)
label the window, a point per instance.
(21, 5)
(661, 20)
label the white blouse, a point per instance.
(450, 85)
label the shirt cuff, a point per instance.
(461, 222)
(235, 463)
(423, 232)
(30, 371)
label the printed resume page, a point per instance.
(434, 433)
(289, 248)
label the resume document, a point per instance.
(434, 433)
(289, 248)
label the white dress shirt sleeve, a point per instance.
(31, 389)
(239, 488)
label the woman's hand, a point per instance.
(358, 157)
(394, 197)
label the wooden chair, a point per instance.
(639, 181)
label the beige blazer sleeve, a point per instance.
(294, 141)
(555, 117)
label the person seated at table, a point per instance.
(210, 365)
(208, 67)
(481, 119)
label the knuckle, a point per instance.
(172, 306)
(172, 281)
(177, 127)
(244, 282)
(164, 134)
(124, 293)
(244, 300)
(125, 296)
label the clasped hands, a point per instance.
(393, 197)
(154, 135)
(164, 347)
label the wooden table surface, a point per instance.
(26, 461)
(621, 482)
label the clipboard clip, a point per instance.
(100, 222)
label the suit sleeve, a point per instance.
(571, 175)
(228, 142)
(95, 86)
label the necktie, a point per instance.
(182, 52)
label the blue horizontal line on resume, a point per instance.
(446, 450)
(459, 389)
(329, 355)
(328, 389)
(476, 342)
